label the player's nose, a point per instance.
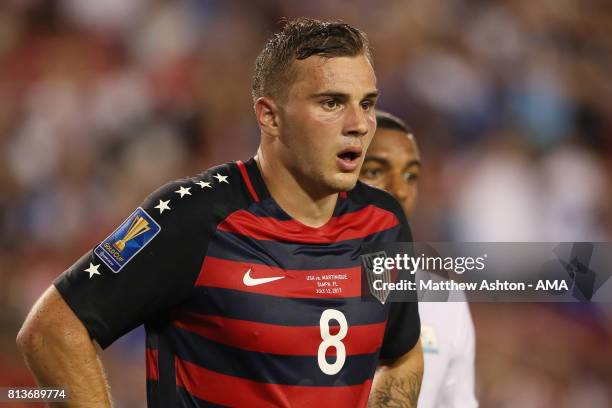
(399, 187)
(356, 121)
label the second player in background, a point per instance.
(393, 163)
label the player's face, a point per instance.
(393, 164)
(327, 121)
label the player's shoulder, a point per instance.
(451, 316)
(210, 194)
(364, 195)
(369, 195)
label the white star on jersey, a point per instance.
(221, 179)
(163, 205)
(203, 184)
(183, 191)
(92, 270)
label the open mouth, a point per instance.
(348, 159)
(349, 156)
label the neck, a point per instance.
(309, 208)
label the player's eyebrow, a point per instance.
(342, 95)
(372, 95)
(380, 160)
(414, 162)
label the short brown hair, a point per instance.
(299, 39)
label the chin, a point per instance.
(344, 182)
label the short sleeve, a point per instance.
(458, 390)
(144, 268)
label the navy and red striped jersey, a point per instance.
(242, 304)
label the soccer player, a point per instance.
(247, 276)
(393, 163)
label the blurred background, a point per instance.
(511, 102)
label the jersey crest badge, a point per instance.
(127, 240)
(367, 263)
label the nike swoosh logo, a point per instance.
(250, 281)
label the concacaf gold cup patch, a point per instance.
(127, 240)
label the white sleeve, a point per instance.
(458, 388)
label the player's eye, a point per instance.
(330, 104)
(372, 173)
(367, 105)
(411, 177)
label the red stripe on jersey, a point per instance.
(274, 339)
(355, 225)
(151, 362)
(247, 180)
(235, 391)
(324, 283)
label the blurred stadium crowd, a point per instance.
(511, 102)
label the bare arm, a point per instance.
(397, 384)
(60, 353)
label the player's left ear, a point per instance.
(266, 112)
